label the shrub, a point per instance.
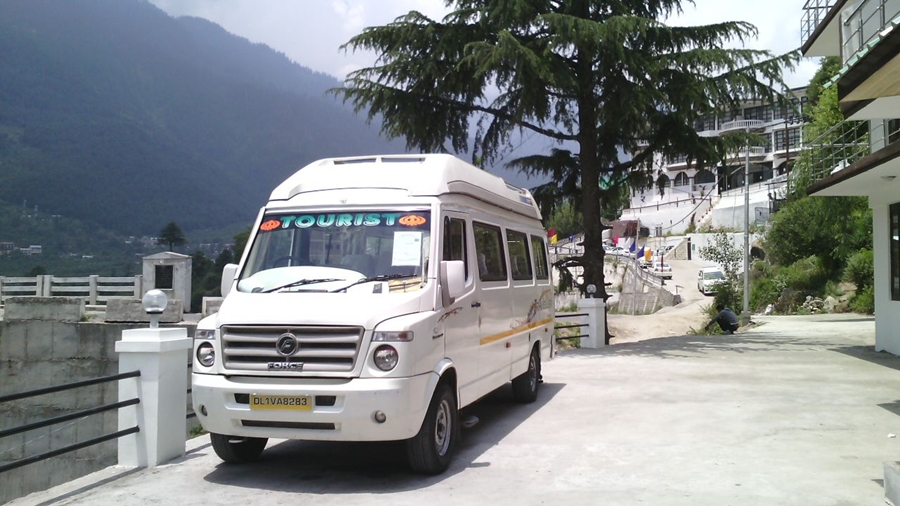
(860, 269)
(807, 275)
(864, 301)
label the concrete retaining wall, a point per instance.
(38, 352)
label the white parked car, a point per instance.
(708, 280)
(662, 269)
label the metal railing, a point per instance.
(814, 13)
(67, 417)
(565, 325)
(846, 143)
(865, 23)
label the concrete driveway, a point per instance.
(799, 410)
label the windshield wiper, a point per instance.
(301, 283)
(381, 277)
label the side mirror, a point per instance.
(453, 280)
(228, 274)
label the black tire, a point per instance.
(236, 449)
(431, 450)
(525, 386)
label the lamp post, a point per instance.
(154, 303)
(745, 314)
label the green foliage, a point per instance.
(240, 243)
(171, 236)
(566, 219)
(112, 110)
(602, 76)
(860, 269)
(831, 227)
(723, 252)
(828, 68)
(864, 301)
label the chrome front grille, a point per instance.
(321, 348)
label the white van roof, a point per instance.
(419, 175)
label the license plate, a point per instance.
(291, 402)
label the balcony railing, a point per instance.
(865, 24)
(814, 12)
(846, 143)
(754, 151)
(741, 124)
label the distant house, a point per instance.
(861, 156)
(7, 247)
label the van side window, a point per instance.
(519, 259)
(540, 257)
(455, 241)
(489, 252)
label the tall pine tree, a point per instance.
(597, 75)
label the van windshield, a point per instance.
(713, 275)
(322, 251)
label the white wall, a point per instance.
(887, 311)
(700, 241)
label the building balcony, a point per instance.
(852, 157)
(755, 152)
(741, 125)
(820, 28)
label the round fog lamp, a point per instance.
(206, 355)
(386, 357)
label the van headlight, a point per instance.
(206, 355)
(386, 357)
(204, 334)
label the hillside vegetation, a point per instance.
(114, 113)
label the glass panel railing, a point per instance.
(843, 145)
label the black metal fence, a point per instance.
(67, 417)
(563, 316)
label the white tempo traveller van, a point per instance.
(377, 297)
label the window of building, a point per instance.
(455, 241)
(793, 139)
(164, 277)
(539, 248)
(489, 252)
(681, 179)
(519, 258)
(704, 176)
(895, 251)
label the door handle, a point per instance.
(476, 304)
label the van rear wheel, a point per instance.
(431, 450)
(236, 449)
(525, 386)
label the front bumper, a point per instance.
(349, 417)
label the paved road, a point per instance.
(795, 411)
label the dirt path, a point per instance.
(669, 321)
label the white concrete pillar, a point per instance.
(162, 387)
(596, 320)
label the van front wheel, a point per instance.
(237, 449)
(525, 386)
(431, 450)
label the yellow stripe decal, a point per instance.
(523, 328)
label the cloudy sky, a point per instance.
(311, 31)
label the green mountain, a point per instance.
(114, 113)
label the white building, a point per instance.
(865, 35)
(681, 193)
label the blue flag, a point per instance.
(640, 252)
(633, 246)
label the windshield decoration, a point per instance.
(272, 223)
(371, 251)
